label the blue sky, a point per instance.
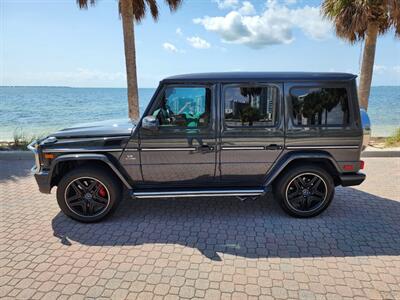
(54, 43)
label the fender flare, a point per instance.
(94, 157)
(289, 157)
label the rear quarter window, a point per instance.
(251, 106)
(311, 106)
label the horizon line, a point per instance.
(75, 87)
(117, 87)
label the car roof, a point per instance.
(259, 76)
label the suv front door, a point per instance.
(252, 132)
(182, 151)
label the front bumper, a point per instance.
(43, 180)
(41, 176)
(351, 179)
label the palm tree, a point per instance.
(357, 20)
(133, 11)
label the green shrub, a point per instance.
(393, 140)
(21, 140)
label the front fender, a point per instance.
(84, 157)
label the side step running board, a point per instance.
(197, 193)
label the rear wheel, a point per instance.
(305, 191)
(88, 194)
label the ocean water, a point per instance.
(42, 110)
(384, 110)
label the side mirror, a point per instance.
(150, 123)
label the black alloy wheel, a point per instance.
(87, 197)
(305, 191)
(89, 193)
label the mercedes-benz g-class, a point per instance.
(215, 134)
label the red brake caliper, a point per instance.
(102, 191)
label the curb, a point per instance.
(380, 153)
(27, 155)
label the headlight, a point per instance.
(49, 140)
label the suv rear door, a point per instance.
(251, 132)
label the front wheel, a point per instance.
(305, 191)
(88, 194)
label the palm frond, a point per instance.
(153, 8)
(394, 15)
(83, 4)
(174, 4)
(139, 10)
(137, 7)
(352, 17)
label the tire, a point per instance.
(88, 194)
(305, 191)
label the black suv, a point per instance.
(215, 134)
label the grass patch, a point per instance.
(20, 140)
(394, 140)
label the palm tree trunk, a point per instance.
(130, 57)
(367, 66)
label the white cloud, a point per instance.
(225, 4)
(78, 77)
(275, 25)
(178, 31)
(379, 69)
(198, 43)
(169, 47)
(247, 9)
(383, 69)
(231, 27)
(309, 20)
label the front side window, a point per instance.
(320, 106)
(187, 107)
(250, 106)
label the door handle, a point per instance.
(273, 147)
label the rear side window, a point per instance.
(320, 106)
(250, 105)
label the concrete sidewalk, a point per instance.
(381, 152)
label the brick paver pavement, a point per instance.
(202, 248)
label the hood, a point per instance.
(121, 127)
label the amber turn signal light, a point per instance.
(49, 156)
